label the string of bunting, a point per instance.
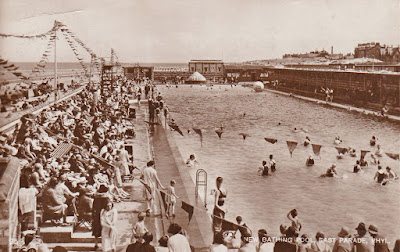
(45, 56)
(55, 27)
(12, 68)
(292, 145)
(97, 60)
(73, 47)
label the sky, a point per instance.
(180, 30)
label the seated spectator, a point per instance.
(53, 206)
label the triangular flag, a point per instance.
(164, 200)
(189, 209)
(291, 146)
(392, 155)
(316, 149)
(270, 140)
(341, 150)
(244, 135)
(363, 153)
(219, 133)
(198, 131)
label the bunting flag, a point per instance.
(189, 209)
(341, 150)
(291, 146)
(393, 155)
(55, 27)
(219, 133)
(271, 140)
(363, 153)
(244, 135)
(316, 149)
(164, 200)
(198, 131)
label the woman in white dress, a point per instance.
(108, 218)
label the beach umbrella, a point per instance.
(271, 140)
(291, 146)
(244, 135)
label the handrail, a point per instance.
(200, 182)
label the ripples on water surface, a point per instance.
(324, 204)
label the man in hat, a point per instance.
(343, 243)
(363, 243)
(380, 244)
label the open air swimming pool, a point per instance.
(324, 204)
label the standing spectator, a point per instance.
(152, 180)
(320, 245)
(380, 241)
(146, 246)
(177, 242)
(139, 229)
(171, 199)
(99, 202)
(363, 243)
(219, 208)
(342, 244)
(108, 219)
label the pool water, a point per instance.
(323, 204)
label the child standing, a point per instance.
(139, 229)
(171, 199)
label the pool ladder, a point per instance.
(201, 180)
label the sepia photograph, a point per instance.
(200, 125)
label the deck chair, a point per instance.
(81, 219)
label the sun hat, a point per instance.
(344, 232)
(361, 227)
(372, 229)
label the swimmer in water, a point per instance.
(307, 141)
(379, 152)
(352, 152)
(380, 176)
(264, 170)
(192, 161)
(340, 156)
(331, 172)
(357, 167)
(310, 161)
(391, 174)
(373, 140)
(363, 163)
(272, 163)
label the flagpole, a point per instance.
(55, 63)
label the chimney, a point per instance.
(331, 50)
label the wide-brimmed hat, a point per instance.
(361, 227)
(372, 229)
(344, 232)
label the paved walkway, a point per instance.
(129, 209)
(170, 165)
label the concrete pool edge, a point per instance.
(199, 228)
(349, 108)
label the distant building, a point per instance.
(388, 54)
(206, 66)
(138, 72)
